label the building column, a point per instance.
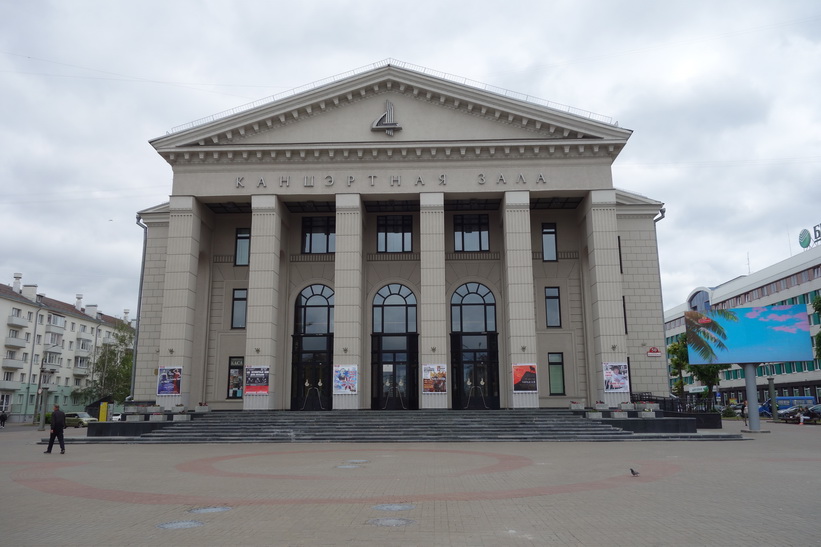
(433, 302)
(520, 306)
(608, 341)
(348, 292)
(179, 299)
(262, 319)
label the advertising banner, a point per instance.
(616, 378)
(766, 334)
(524, 378)
(434, 378)
(169, 380)
(256, 379)
(345, 379)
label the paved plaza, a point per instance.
(761, 491)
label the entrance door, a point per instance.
(394, 373)
(475, 371)
(394, 353)
(312, 353)
(474, 348)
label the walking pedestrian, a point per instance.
(58, 424)
(3, 418)
(744, 412)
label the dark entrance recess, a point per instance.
(394, 350)
(312, 362)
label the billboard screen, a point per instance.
(768, 334)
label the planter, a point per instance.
(133, 409)
(627, 406)
(202, 408)
(619, 414)
(153, 408)
(576, 406)
(181, 417)
(135, 418)
(601, 406)
(156, 417)
(592, 415)
(178, 409)
(647, 414)
(647, 406)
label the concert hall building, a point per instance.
(394, 238)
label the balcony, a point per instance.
(57, 329)
(80, 371)
(13, 363)
(9, 385)
(15, 342)
(82, 352)
(17, 321)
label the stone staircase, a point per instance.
(364, 426)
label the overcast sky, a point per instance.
(724, 100)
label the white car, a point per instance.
(116, 417)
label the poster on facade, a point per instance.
(434, 378)
(256, 379)
(763, 334)
(345, 379)
(616, 378)
(524, 378)
(169, 380)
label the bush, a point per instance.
(728, 412)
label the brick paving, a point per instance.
(763, 491)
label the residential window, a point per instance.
(318, 235)
(552, 306)
(242, 250)
(471, 233)
(555, 372)
(8, 376)
(394, 234)
(235, 380)
(239, 308)
(549, 252)
(16, 312)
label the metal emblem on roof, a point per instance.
(385, 121)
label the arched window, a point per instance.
(314, 311)
(394, 310)
(473, 309)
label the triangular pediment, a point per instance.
(392, 108)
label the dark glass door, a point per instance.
(394, 381)
(311, 377)
(474, 358)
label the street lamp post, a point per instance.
(43, 398)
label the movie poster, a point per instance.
(256, 379)
(345, 379)
(524, 378)
(434, 378)
(169, 380)
(616, 378)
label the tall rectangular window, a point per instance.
(239, 308)
(318, 235)
(394, 234)
(242, 250)
(549, 252)
(471, 233)
(552, 307)
(555, 372)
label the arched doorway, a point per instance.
(394, 351)
(474, 348)
(313, 343)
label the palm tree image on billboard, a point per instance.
(768, 334)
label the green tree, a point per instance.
(816, 305)
(678, 358)
(111, 368)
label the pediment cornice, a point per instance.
(545, 132)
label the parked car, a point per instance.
(79, 419)
(116, 417)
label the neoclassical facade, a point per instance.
(395, 240)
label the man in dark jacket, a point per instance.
(58, 424)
